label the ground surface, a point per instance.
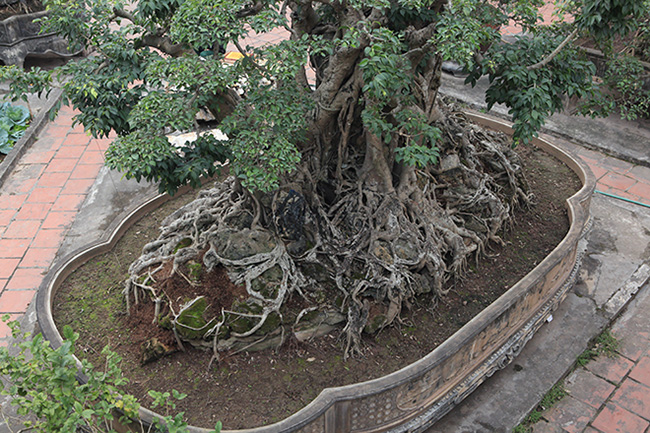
(280, 383)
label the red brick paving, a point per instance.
(14, 248)
(641, 372)
(634, 397)
(22, 229)
(48, 238)
(37, 206)
(16, 301)
(617, 181)
(25, 278)
(614, 419)
(44, 194)
(589, 388)
(7, 267)
(39, 257)
(612, 369)
(58, 220)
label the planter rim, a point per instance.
(578, 219)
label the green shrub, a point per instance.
(42, 383)
(626, 77)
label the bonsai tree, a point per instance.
(354, 187)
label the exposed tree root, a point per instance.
(366, 254)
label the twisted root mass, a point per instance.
(346, 256)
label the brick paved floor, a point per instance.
(610, 394)
(38, 204)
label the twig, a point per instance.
(555, 52)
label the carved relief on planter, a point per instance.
(20, 37)
(415, 397)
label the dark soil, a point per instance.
(9, 8)
(251, 389)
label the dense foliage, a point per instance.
(43, 385)
(141, 93)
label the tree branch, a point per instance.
(555, 52)
(123, 14)
(163, 43)
(250, 11)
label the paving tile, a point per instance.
(33, 211)
(69, 202)
(591, 430)
(44, 195)
(48, 238)
(617, 181)
(64, 165)
(38, 258)
(614, 419)
(92, 156)
(100, 144)
(640, 172)
(571, 414)
(16, 301)
(70, 151)
(86, 171)
(67, 110)
(13, 248)
(26, 279)
(588, 388)
(3, 283)
(634, 397)
(37, 156)
(642, 189)
(641, 372)
(598, 171)
(12, 201)
(6, 215)
(55, 131)
(76, 139)
(77, 186)
(5, 331)
(7, 267)
(613, 369)
(632, 344)
(65, 119)
(22, 229)
(614, 164)
(23, 172)
(78, 129)
(626, 195)
(19, 185)
(58, 220)
(48, 142)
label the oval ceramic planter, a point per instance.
(415, 397)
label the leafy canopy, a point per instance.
(156, 64)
